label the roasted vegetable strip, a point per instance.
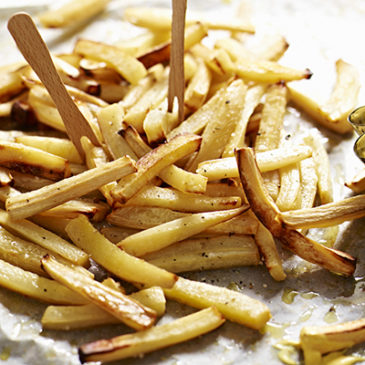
(132, 345)
(327, 214)
(118, 262)
(129, 311)
(27, 204)
(318, 340)
(269, 215)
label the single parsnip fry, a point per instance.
(73, 208)
(155, 123)
(318, 340)
(135, 92)
(57, 226)
(267, 212)
(133, 345)
(174, 176)
(72, 12)
(57, 146)
(218, 130)
(110, 120)
(151, 164)
(6, 179)
(198, 87)
(36, 201)
(33, 160)
(28, 255)
(206, 254)
(237, 138)
(163, 235)
(96, 157)
(357, 183)
(235, 306)
(142, 43)
(308, 183)
(128, 67)
(185, 202)
(344, 95)
(227, 188)
(289, 194)
(326, 215)
(22, 253)
(34, 286)
(270, 129)
(47, 114)
(11, 84)
(198, 120)
(44, 238)
(267, 247)
(84, 316)
(127, 310)
(149, 100)
(321, 161)
(140, 217)
(267, 161)
(268, 136)
(160, 19)
(118, 262)
(268, 71)
(217, 60)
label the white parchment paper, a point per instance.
(319, 32)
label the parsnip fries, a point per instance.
(124, 308)
(155, 197)
(266, 210)
(27, 204)
(343, 99)
(161, 236)
(132, 345)
(316, 341)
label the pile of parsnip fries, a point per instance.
(157, 198)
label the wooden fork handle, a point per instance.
(35, 51)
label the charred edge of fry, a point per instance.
(159, 54)
(334, 260)
(308, 73)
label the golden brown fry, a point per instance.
(357, 184)
(163, 235)
(118, 262)
(57, 146)
(157, 337)
(72, 12)
(265, 209)
(143, 217)
(129, 67)
(50, 196)
(160, 19)
(206, 253)
(33, 160)
(326, 215)
(44, 238)
(74, 317)
(267, 246)
(127, 310)
(218, 131)
(318, 340)
(34, 286)
(185, 202)
(151, 164)
(234, 305)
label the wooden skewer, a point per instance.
(35, 51)
(176, 76)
